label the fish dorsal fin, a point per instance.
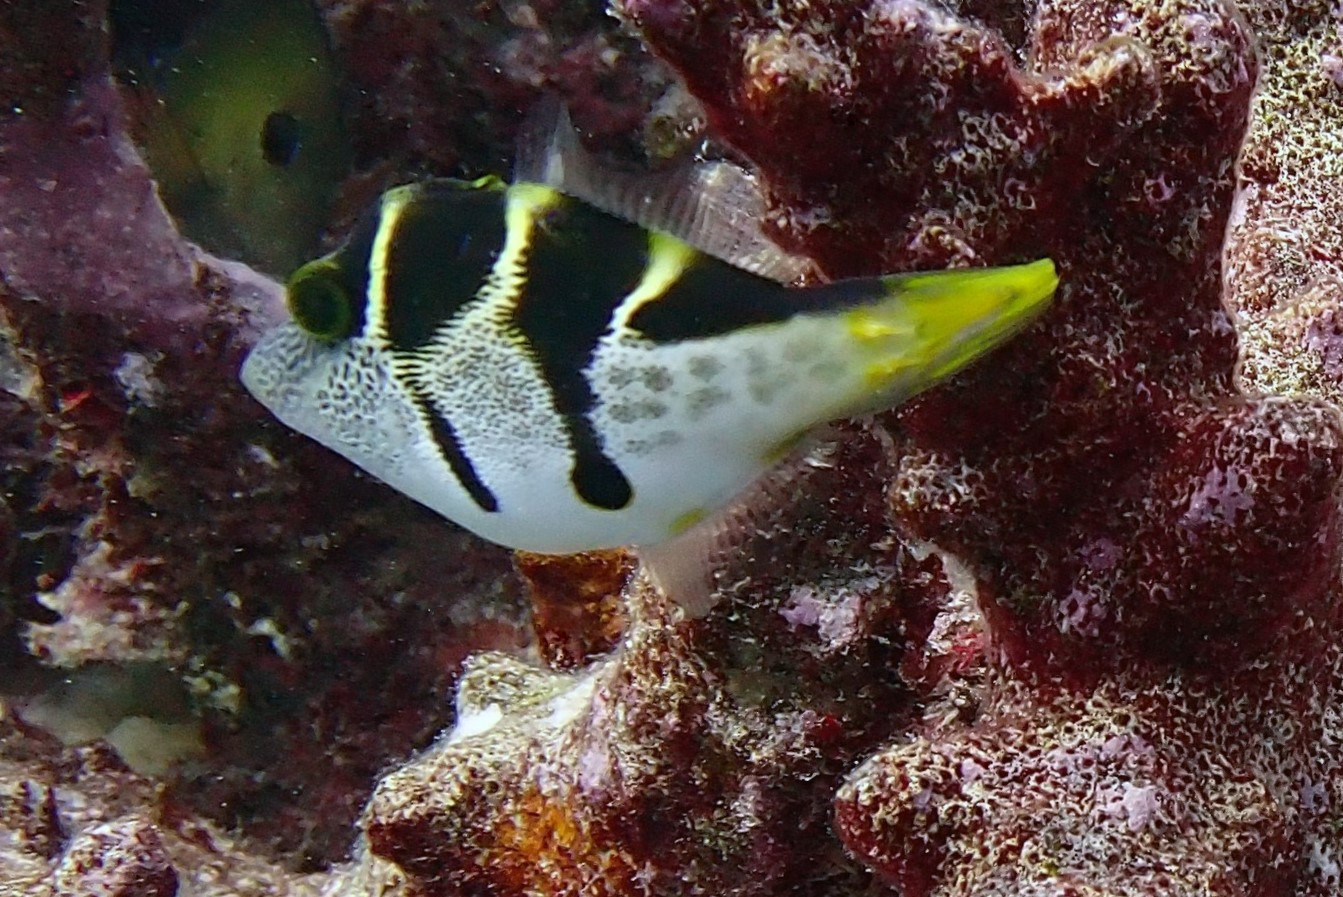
(716, 207)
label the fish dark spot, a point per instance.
(701, 401)
(600, 483)
(705, 367)
(621, 377)
(629, 412)
(826, 371)
(763, 391)
(281, 139)
(657, 379)
(801, 350)
(644, 446)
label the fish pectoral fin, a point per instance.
(715, 207)
(685, 567)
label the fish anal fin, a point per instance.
(681, 569)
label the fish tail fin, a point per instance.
(923, 327)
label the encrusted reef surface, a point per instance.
(1153, 549)
(152, 514)
(1067, 625)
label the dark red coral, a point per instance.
(443, 87)
(577, 609)
(1077, 607)
(1148, 546)
(1111, 152)
(914, 140)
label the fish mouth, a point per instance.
(341, 394)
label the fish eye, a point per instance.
(320, 304)
(280, 139)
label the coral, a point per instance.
(124, 857)
(1155, 555)
(1284, 250)
(152, 513)
(698, 758)
(577, 608)
(75, 821)
(37, 76)
(1121, 679)
(442, 87)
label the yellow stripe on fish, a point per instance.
(557, 378)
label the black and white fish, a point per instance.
(568, 362)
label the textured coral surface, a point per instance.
(152, 513)
(76, 821)
(1284, 247)
(1154, 554)
(1066, 626)
(701, 757)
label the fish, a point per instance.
(240, 123)
(571, 361)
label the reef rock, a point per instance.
(1154, 552)
(700, 757)
(152, 514)
(76, 821)
(1126, 678)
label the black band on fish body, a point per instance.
(712, 298)
(443, 246)
(581, 264)
(450, 447)
(352, 259)
(341, 277)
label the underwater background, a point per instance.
(1067, 625)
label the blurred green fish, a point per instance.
(242, 129)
